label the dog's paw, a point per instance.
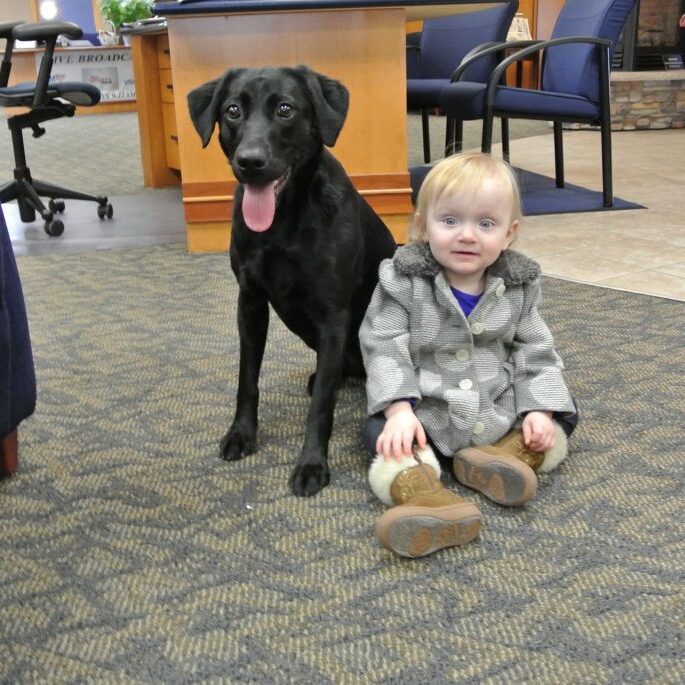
(307, 479)
(235, 445)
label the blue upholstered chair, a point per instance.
(443, 42)
(45, 99)
(574, 81)
(17, 376)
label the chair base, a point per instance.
(9, 450)
(28, 192)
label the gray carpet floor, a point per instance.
(130, 553)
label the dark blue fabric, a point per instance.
(467, 100)
(575, 68)
(466, 301)
(77, 92)
(444, 43)
(17, 375)
(172, 7)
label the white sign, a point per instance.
(109, 69)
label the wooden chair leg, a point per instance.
(8, 454)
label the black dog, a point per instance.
(303, 240)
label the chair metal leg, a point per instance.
(607, 174)
(49, 190)
(454, 136)
(486, 139)
(558, 154)
(425, 128)
(505, 138)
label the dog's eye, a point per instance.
(285, 111)
(233, 111)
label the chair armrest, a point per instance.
(45, 30)
(473, 55)
(7, 27)
(499, 70)
(6, 30)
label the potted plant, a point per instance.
(118, 12)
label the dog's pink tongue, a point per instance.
(259, 206)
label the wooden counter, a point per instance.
(361, 46)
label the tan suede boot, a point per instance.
(503, 472)
(427, 517)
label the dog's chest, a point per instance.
(287, 276)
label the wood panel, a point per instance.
(364, 49)
(153, 140)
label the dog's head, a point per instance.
(271, 122)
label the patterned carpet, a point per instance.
(130, 553)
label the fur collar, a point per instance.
(514, 268)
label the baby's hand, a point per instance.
(539, 434)
(401, 430)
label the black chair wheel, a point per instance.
(105, 211)
(54, 228)
(56, 206)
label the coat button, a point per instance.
(466, 384)
(463, 355)
(477, 328)
(478, 428)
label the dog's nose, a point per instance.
(251, 160)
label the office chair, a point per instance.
(45, 100)
(574, 81)
(434, 54)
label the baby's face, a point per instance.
(467, 232)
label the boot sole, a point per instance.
(415, 531)
(504, 480)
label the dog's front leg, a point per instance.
(311, 472)
(253, 324)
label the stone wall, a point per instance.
(647, 99)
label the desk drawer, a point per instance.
(166, 85)
(170, 137)
(163, 52)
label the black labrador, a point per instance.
(303, 240)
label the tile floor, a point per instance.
(638, 250)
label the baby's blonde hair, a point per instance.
(463, 173)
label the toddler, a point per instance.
(460, 364)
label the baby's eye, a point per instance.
(449, 220)
(487, 224)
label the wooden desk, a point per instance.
(360, 43)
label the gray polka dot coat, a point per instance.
(472, 378)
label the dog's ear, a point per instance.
(330, 99)
(203, 104)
